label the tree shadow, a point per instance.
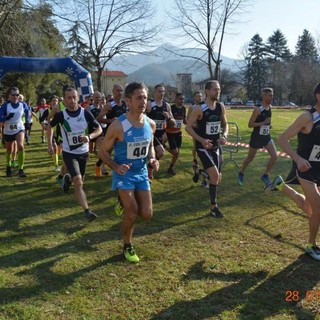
(252, 295)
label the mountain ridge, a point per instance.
(162, 64)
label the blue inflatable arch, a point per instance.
(81, 76)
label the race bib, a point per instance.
(159, 124)
(315, 154)
(137, 150)
(178, 124)
(213, 127)
(74, 138)
(264, 130)
(13, 126)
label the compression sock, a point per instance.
(99, 163)
(21, 157)
(213, 193)
(55, 159)
(8, 158)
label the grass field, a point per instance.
(249, 265)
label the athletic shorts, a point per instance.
(259, 141)
(210, 158)
(135, 180)
(158, 140)
(11, 137)
(312, 175)
(75, 163)
(27, 126)
(175, 140)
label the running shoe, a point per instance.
(196, 173)
(90, 216)
(98, 171)
(118, 209)
(56, 169)
(204, 184)
(21, 174)
(313, 251)
(276, 184)
(216, 213)
(240, 178)
(266, 179)
(14, 164)
(130, 254)
(60, 181)
(8, 172)
(66, 183)
(171, 172)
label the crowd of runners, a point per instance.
(130, 133)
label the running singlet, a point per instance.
(157, 115)
(209, 127)
(178, 114)
(309, 144)
(74, 125)
(14, 114)
(135, 145)
(116, 111)
(263, 130)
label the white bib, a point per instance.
(137, 150)
(74, 138)
(315, 154)
(159, 124)
(178, 124)
(264, 130)
(213, 127)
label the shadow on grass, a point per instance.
(252, 295)
(47, 280)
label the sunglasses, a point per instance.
(15, 94)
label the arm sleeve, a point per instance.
(26, 112)
(58, 118)
(91, 119)
(3, 112)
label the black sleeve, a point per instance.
(91, 119)
(58, 118)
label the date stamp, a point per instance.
(296, 295)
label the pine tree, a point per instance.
(278, 58)
(255, 72)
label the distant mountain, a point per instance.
(162, 65)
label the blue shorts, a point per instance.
(132, 180)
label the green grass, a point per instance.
(54, 265)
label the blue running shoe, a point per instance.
(313, 251)
(240, 178)
(266, 179)
(276, 185)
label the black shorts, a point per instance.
(210, 158)
(175, 140)
(11, 137)
(258, 141)
(75, 163)
(312, 175)
(158, 140)
(27, 126)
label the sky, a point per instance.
(264, 17)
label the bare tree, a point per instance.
(113, 27)
(204, 23)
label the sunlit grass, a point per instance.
(54, 265)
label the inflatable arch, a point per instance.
(81, 76)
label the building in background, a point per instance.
(109, 78)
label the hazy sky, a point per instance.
(266, 16)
